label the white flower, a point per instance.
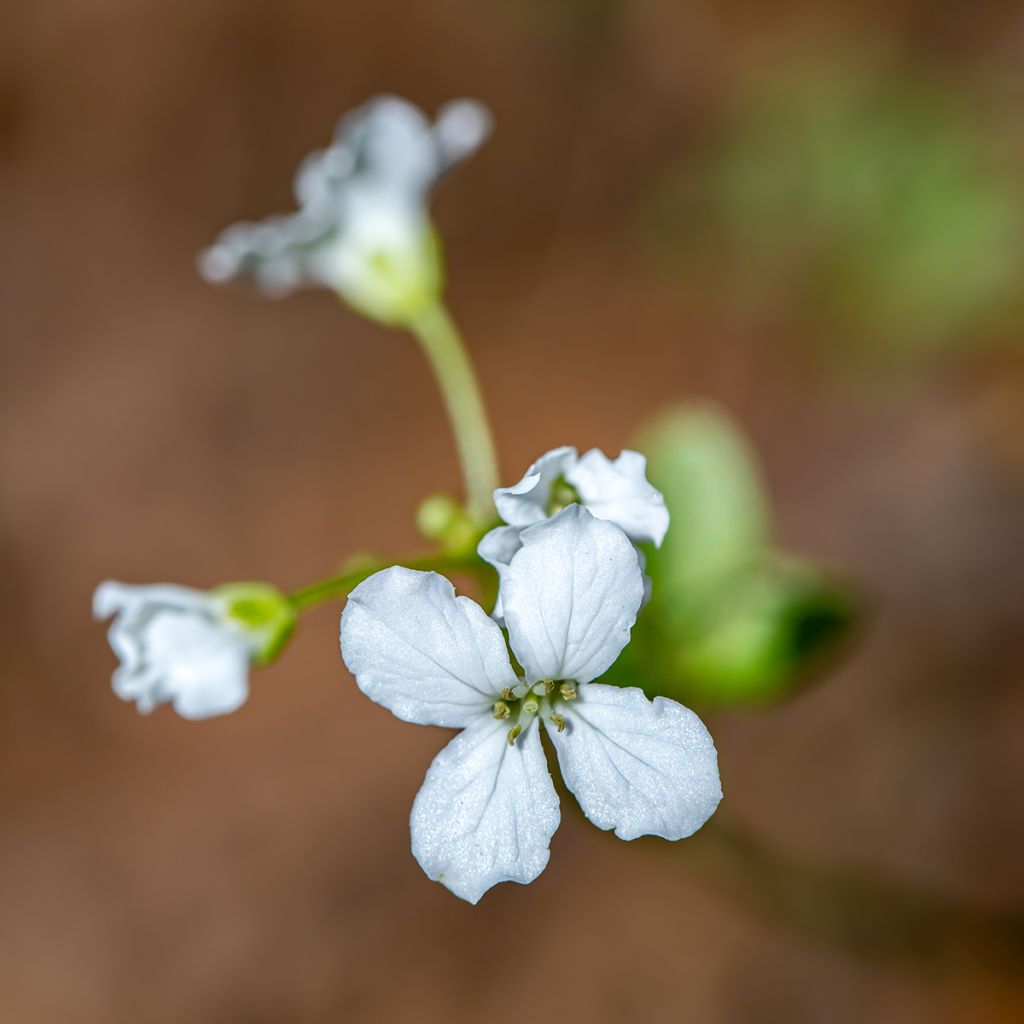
(618, 492)
(191, 648)
(362, 228)
(487, 809)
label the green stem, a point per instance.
(339, 586)
(440, 341)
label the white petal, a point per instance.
(461, 128)
(134, 607)
(619, 492)
(644, 768)
(426, 655)
(486, 812)
(496, 548)
(526, 502)
(393, 145)
(111, 597)
(200, 666)
(570, 596)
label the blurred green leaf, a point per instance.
(873, 201)
(702, 464)
(730, 621)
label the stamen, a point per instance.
(549, 685)
(568, 691)
(513, 734)
(507, 693)
(559, 721)
(501, 709)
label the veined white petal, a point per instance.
(426, 655)
(496, 548)
(641, 767)
(526, 502)
(571, 596)
(619, 492)
(486, 812)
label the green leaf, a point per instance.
(730, 621)
(701, 463)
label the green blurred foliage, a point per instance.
(869, 202)
(730, 620)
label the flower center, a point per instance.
(562, 495)
(519, 704)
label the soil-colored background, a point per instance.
(256, 867)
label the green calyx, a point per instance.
(394, 285)
(263, 612)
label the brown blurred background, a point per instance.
(603, 261)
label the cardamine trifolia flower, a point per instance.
(617, 491)
(488, 809)
(191, 648)
(362, 228)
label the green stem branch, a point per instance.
(440, 341)
(332, 587)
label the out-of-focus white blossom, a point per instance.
(362, 227)
(487, 809)
(191, 648)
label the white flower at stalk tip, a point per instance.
(191, 648)
(487, 809)
(362, 228)
(617, 491)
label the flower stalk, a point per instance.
(332, 587)
(439, 338)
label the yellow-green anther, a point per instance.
(559, 721)
(501, 709)
(568, 691)
(549, 685)
(531, 705)
(507, 693)
(513, 734)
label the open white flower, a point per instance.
(362, 228)
(191, 648)
(487, 809)
(617, 491)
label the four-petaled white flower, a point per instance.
(617, 491)
(362, 228)
(191, 648)
(487, 809)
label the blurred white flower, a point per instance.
(362, 228)
(617, 491)
(487, 808)
(191, 648)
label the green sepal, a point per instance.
(398, 285)
(267, 615)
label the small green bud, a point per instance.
(442, 519)
(263, 612)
